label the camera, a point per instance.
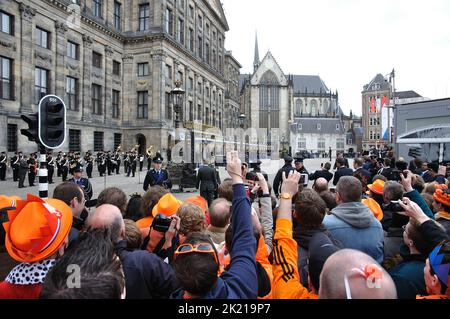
(395, 207)
(161, 223)
(251, 176)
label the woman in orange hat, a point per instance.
(441, 205)
(375, 199)
(36, 235)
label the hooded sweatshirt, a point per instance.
(355, 226)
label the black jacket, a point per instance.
(207, 178)
(321, 174)
(152, 179)
(278, 180)
(364, 173)
(146, 275)
(343, 171)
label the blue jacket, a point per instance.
(408, 277)
(418, 199)
(240, 280)
(146, 275)
(355, 226)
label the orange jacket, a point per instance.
(262, 256)
(374, 207)
(286, 280)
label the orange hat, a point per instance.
(167, 205)
(36, 228)
(377, 187)
(374, 207)
(442, 195)
(198, 201)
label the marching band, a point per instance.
(107, 162)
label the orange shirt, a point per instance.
(262, 256)
(286, 280)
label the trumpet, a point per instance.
(135, 148)
(119, 148)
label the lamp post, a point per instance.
(177, 95)
(242, 120)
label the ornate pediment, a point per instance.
(43, 56)
(11, 45)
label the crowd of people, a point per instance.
(383, 232)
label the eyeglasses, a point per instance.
(203, 248)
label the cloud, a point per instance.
(347, 42)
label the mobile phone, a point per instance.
(304, 178)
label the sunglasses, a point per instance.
(203, 248)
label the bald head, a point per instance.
(321, 185)
(332, 283)
(108, 217)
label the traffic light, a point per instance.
(32, 131)
(52, 122)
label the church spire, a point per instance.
(256, 60)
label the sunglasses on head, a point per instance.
(203, 248)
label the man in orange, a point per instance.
(286, 279)
(36, 235)
(441, 205)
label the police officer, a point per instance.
(89, 163)
(64, 167)
(50, 166)
(84, 183)
(3, 161)
(299, 167)
(157, 175)
(14, 162)
(278, 180)
(207, 182)
(23, 169)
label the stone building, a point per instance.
(301, 107)
(115, 64)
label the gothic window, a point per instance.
(314, 108)
(325, 106)
(298, 107)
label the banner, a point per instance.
(385, 131)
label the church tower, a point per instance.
(256, 61)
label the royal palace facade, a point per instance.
(115, 63)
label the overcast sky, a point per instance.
(347, 42)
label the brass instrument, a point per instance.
(135, 148)
(150, 151)
(119, 148)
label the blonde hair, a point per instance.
(192, 219)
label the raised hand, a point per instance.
(290, 183)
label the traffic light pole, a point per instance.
(43, 172)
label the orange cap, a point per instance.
(167, 205)
(36, 228)
(198, 201)
(442, 195)
(377, 187)
(374, 207)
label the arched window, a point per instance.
(313, 108)
(269, 78)
(325, 106)
(298, 107)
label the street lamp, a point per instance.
(242, 120)
(177, 95)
